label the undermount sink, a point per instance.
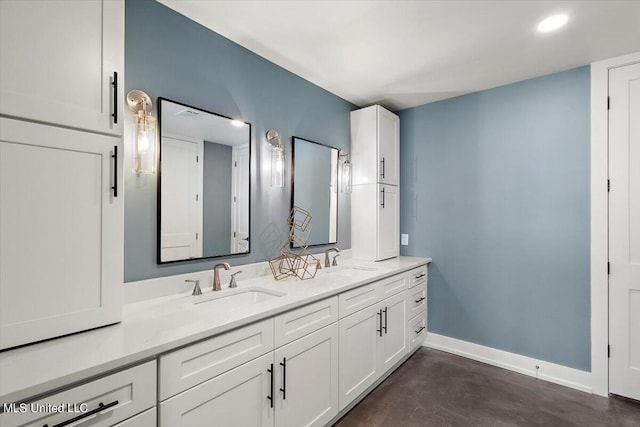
(347, 268)
(234, 299)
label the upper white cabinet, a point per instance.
(61, 231)
(62, 62)
(375, 146)
(375, 200)
(375, 221)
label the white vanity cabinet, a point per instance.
(237, 378)
(103, 402)
(62, 62)
(375, 146)
(373, 339)
(417, 306)
(375, 199)
(61, 231)
(306, 383)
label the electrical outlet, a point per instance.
(404, 239)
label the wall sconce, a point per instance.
(346, 171)
(277, 158)
(144, 136)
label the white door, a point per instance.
(359, 336)
(181, 204)
(394, 343)
(59, 62)
(61, 231)
(388, 147)
(240, 202)
(238, 397)
(307, 379)
(624, 231)
(388, 245)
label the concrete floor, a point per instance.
(434, 388)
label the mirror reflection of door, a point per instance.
(240, 206)
(204, 184)
(181, 203)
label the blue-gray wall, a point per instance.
(216, 198)
(495, 188)
(169, 55)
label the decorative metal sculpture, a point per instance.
(296, 261)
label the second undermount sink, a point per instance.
(347, 268)
(237, 298)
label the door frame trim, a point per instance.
(600, 219)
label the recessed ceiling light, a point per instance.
(552, 23)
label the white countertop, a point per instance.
(155, 326)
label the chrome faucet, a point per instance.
(196, 287)
(326, 257)
(232, 282)
(216, 275)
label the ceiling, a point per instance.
(406, 53)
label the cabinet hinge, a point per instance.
(608, 351)
(608, 268)
(608, 103)
(608, 185)
(196, 197)
(196, 236)
(197, 159)
(235, 164)
(234, 234)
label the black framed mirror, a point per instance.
(204, 186)
(314, 187)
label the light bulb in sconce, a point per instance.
(144, 135)
(277, 158)
(346, 172)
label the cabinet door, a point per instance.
(61, 232)
(394, 343)
(58, 62)
(388, 224)
(238, 397)
(307, 380)
(359, 341)
(388, 147)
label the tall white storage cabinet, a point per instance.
(61, 201)
(375, 199)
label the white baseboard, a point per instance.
(558, 374)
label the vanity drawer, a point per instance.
(416, 300)
(301, 321)
(194, 364)
(123, 394)
(356, 299)
(146, 419)
(418, 276)
(417, 331)
(392, 285)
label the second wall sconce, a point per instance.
(346, 171)
(144, 136)
(277, 158)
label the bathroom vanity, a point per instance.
(267, 353)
